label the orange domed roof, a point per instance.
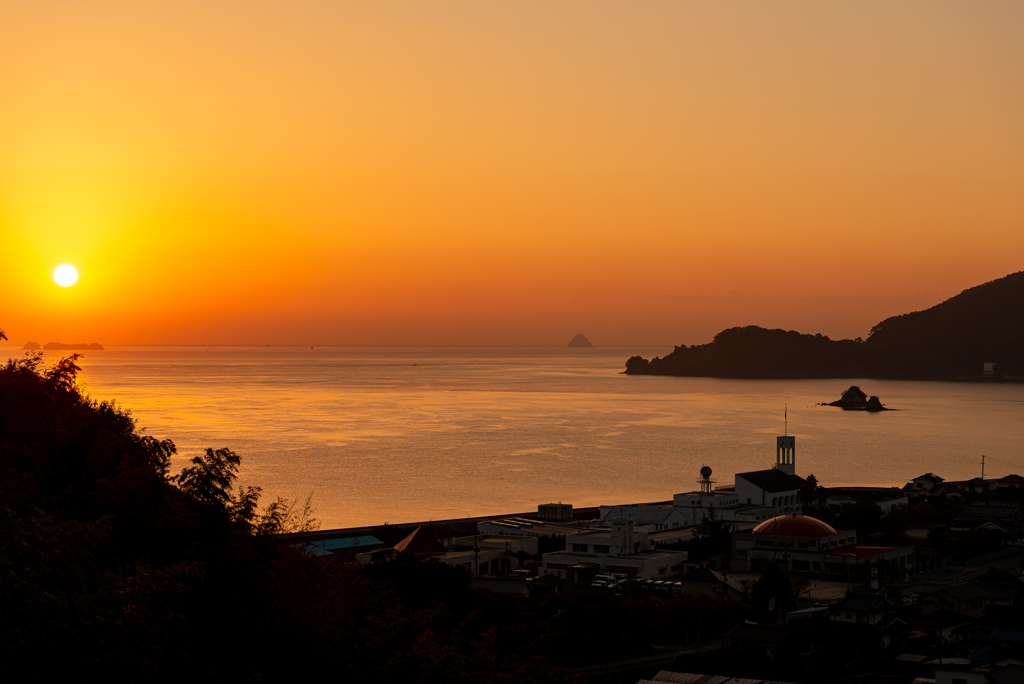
(795, 526)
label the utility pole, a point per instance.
(983, 466)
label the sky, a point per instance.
(328, 172)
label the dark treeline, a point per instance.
(950, 340)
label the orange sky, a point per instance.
(332, 172)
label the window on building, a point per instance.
(579, 548)
(601, 548)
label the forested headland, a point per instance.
(952, 340)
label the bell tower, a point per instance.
(785, 454)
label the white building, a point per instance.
(754, 497)
(618, 549)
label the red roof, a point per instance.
(795, 526)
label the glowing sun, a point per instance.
(65, 275)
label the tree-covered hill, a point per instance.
(754, 352)
(984, 324)
(953, 339)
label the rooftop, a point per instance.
(795, 526)
(862, 551)
(772, 480)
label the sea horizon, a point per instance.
(397, 434)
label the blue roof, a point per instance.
(327, 546)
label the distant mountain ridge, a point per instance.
(60, 346)
(955, 339)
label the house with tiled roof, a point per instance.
(860, 608)
(945, 625)
(964, 599)
(1010, 482)
(1008, 515)
(927, 483)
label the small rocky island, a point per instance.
(854, 399)
(580, 341)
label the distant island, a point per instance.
(854, 399)
(580, 341)
(978, 334)
(60, 346)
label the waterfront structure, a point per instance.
(528, 527)
(478, 554)
(618, 549)
(647, 517)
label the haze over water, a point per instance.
(408, 434)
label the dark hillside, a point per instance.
(954, 338)
(754, 352)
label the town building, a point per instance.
(646, 517)
(888, 499)
(924, 484)
(806, 544)
(754, 497)
(616, 549)
(478, 554)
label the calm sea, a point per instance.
(401, 434)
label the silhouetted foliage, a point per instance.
(713, 535)
(754, 352)
(810, 494)
(208, 480)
